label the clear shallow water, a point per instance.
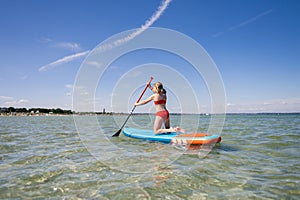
(45, 157)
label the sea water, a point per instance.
(60, 157)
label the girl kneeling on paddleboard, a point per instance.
(162, 114)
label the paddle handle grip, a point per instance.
(151, 78)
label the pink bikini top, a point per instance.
(159, 102)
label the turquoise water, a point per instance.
(52, 157)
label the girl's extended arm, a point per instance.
(144, 101)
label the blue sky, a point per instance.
(254, 44)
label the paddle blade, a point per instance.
(117, 133)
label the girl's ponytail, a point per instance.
(160, 88)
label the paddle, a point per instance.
(119, 131)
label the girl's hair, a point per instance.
(160, 88)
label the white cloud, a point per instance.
(68, 45)
(6, 101)
(45, 40)
(70, 89)
(135, 74)
(5, 98)
(276, 105)
(81, 90)
(21, 101)
(63, 60)
(69, 86)
(95, 64)
(64, 45)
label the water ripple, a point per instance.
(44, 157)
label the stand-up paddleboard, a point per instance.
(183, 139)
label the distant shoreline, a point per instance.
(11, 111)
(126, 114)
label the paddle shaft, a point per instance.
(118, 133)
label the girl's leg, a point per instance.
(167, 123)
(157, 126)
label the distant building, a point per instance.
(3, 109)
(103, 111)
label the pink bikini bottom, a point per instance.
(163, 114)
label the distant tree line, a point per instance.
(35, 110)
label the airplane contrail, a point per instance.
(63, 60)
(159, 11)
(147, 24)
(244, 23)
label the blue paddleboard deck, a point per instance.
(189, 138)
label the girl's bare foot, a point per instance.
(178, 130)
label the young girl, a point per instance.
(162, 114)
